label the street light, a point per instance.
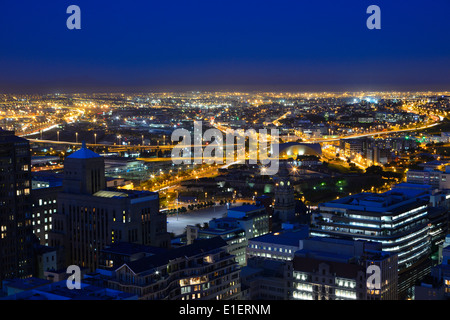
(76, 137)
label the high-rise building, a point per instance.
(44, 205)
(90, 216)
(398, 219)
(16, 255)
(337, 269)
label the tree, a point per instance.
(374, 170)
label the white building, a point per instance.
(279, 246)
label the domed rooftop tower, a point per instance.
(84, 172)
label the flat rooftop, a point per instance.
(381, 202)
(26, 284)
(288, 238)
(127, 248)
(132, 194)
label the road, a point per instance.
(373, 134)
(223, 129)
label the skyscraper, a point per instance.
(336, 269)
(90, 216)
(16, 231)
(398, 219)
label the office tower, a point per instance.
(90, 216)
(337, 269)
(398, 219)
(203, 270)
(44, 204)
(16, 256)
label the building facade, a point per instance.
(398, 219)
(284, 200)
(229, 230)
(253, 219)
(277, 246)
(91, 217)
(435, 178)
(336, 269)
(16, 230)
(44, 206)
(203, 270)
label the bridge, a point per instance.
(118, 147)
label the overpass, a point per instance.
(168, 147)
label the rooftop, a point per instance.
(110, 194)
(244, 210)
(127, 248)
(158, 260)
(84, 153)
(132, 194)
(60, 291)
(345, 269)
(25, 284)
(381, 202)
(10, 137)
(288, 238)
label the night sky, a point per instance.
(224, 44)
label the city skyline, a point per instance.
(225, 150)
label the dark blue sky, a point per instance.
(219, 44)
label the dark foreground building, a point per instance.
(16, 255)
(91, 216)
(203, 270)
